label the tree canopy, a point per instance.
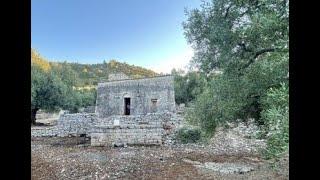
(234, 34)
(247, 40)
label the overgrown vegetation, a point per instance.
(189, 135)
(187, 87)
(248, 42)
(275, 115)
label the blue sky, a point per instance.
(147, 33)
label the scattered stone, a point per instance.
(227, 168)
(191, 162)
(237, 140)
(118, 144)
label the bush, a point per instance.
(187, 87)
(222, 101)
(275, 116)
(189, 135)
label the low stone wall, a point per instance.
(43, 131)
(129, 134)
(152, 128)
(48, 118)
(67, 124)
(75, 124)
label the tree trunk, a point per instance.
(33, 115)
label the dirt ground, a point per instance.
(74, 158)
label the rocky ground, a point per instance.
(74, 158)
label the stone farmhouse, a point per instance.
(128, 112)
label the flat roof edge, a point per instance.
(135, 79)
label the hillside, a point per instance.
(37, 60)
(91, 74)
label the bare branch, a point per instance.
(257, 54)
(227, 11)
(263, 51)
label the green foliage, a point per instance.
(52, 89)
(72, 101)
(65, 72)
(187, 87)
(221, 101)
(189, 135)
(92, 74)
(275, 116)
(231, 35)
(47, 91)
(248, 41)
(88, 97)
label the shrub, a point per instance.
(275, 116)
(189, 135)
(222, 100)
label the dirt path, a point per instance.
(73, 158)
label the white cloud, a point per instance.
(179, 61)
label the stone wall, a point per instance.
(127, 134)
(75, 124)
(67, 124)
(153, 128)
(47, 118)
(146, 95)
(44, 131)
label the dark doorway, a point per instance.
(154, 105)
(126, 106)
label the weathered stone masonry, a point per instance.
(136, 129)
(151, 105)
(76, 124)
(149, 95)
(68, 125)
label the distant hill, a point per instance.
(94, 73)
(91, 74)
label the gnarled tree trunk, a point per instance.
(33, 115)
